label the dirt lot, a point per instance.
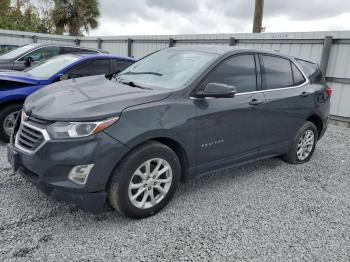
(266, 211)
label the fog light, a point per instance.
(79, 174)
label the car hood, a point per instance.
(87, 98)
(18, 76)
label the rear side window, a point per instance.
(96, 67)
(238, 71)
(277, 72)
(311, 70)
(298, 76)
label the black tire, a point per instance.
(118, 187)
(291, 156)
(4, 112)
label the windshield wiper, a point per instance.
(141, 73)
(132, 84)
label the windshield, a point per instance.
(170, 69)
(52, 66)
(17, 52)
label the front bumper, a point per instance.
(49, 167)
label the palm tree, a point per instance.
(75, 15)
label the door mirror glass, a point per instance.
(217, 90)
(28, 61)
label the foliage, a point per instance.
(51, 16)
(22, 17)
(76, 16)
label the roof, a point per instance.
(225, 49)
(90, 55)
(35, 45)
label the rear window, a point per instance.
(308, 67)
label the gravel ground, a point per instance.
(266, 211)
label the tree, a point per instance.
(258, 16)
(23, 17)
(76, 16)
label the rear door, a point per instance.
(288, 101)
(228, 128)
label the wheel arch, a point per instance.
(317, 121)
(173, 144)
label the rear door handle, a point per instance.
(305, 93)
(255, 102)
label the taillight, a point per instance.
(329, 91)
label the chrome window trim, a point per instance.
(42, 131)
(306, 82)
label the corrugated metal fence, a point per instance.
(329, 48)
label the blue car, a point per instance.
(15, 86)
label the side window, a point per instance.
(238, 71)
(42, 53)
(311, 70)
(122, 64)
(96, 67)
(297, 75)
(277, 72)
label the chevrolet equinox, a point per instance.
(128, 140)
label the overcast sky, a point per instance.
(123, 17)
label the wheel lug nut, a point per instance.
(154, 177)
(149, 188)
(155, 183)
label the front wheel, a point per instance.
(8, 116)
(303, 146)
(145, 181)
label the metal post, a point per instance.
(99, 43)
(232, 41)
(35, 38)
(129, 47)
(171, 42)
(77, 41)
(326, 51)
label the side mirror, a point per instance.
(63, 77)
(28, 61)
(110, 75)
(217, 90)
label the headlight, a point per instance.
(63, 130)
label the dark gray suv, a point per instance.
(177, 113)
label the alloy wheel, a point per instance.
(305, 144)
(9, 122)
(150, 183)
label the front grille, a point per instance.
(29, 138)
(39, 121)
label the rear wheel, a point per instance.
(8, 116)
(303, 146)
(145, 181)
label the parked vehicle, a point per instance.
(172, 115)
(15, 86)
(6, 48)
(29, 55)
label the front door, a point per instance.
(228, 128)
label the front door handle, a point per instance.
(255, 102)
